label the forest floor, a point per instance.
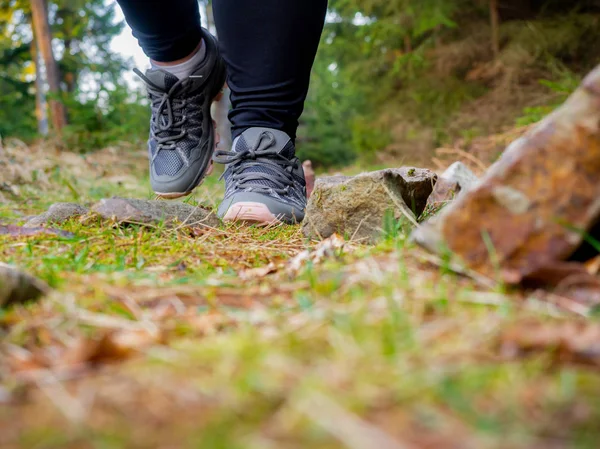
(241, 337)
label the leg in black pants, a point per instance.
(269, 47)
(166, 30)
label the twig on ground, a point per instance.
(69, 406)
(348, 428)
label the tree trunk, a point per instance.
(495, 23)
(41, 113)
(408, 48)
(43, 37)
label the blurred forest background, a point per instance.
(393, 80)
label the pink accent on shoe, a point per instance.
(251, 212)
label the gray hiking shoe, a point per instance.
(264, 181)
(182, 136)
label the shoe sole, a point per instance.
(251, 213)
(209, 170)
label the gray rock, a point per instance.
(57, 213)
(22, 231)
(125, 210)
(460, 174)
(356, 206)
(17, 287)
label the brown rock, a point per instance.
(532, 205)
(125, 210)
(356, 206)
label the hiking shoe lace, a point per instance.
(267, 159)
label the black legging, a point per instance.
(269, 47)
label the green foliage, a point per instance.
(393, 228)
(102, 108)
(424, 61)
(17, 108)
(569, 38)
(17, 104)
(368, 138)
(120, 116)
(86, 28)
(325, 134)
(373, 53)
(564, 84)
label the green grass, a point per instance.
(371, 346)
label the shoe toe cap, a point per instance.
(256, 207)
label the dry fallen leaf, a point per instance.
(111, 347)
(593, 266)
(20, 360)
(561, 273)
(328, 248)
(209, 323)
(567, 341)
(258, 273)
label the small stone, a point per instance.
(134, 211)
(457, 178)
(356, 206)
(17, 287)
(443, 193)
(10, 188)
(57, 213)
